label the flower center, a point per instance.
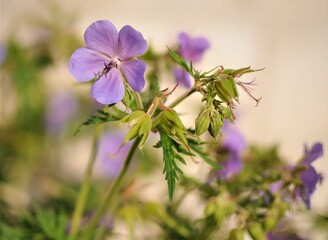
(114, 63)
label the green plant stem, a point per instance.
(83, 195)
(110, 193)
(138, 100)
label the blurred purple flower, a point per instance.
(111, 154)
(283, 236)
(191, 49)
(234, 144)
(62, 107)
(309, 177)
(107, 54)
(2, 53)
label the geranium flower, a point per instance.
(191, 49)
(111, 154)
(309, 177)
(2, 53)
(232, 146)
(107, 56)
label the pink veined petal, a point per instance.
(102, 36)
(86, 63)
(109, 88)
(131, 43)
(133, 72)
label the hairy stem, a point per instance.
(83, 195)
(110, 193)
(138, 100)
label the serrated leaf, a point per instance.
(103, 117)
(171, 169)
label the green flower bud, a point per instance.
(236, 234)
(271, 220)
(133, 133)
(133, 117)
(256, 231)
(202, 123)
(216, 125)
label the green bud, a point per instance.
(256, 231)
(133, 133)
(202, 123)
(171, 116)
(127, 99)
(146, 125)
(133, 117)
(236, 234)
(216, 125)
(271, 220)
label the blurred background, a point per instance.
(287, 38)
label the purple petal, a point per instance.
(86, 63)
(133, 72)
(231, 167)
(182, 77)
(131, 43)
(310, 178)
(111, 154)
(233, 140)
(313, 154)
(109, 88)
(102, 36)
(192, 49)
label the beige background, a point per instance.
(287, 37)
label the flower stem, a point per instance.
(83, 195)
(110, 193)
(138, 100)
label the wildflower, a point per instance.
(233, 144)
(107, 56)
(61, 108)
(112, 153)
(309, 177)
(2, 53)
(191, 49)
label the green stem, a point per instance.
(138, 100)
(110, 193)
(183, 97)
(83, 195)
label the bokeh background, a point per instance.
(287, 38)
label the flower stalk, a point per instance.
(83, 195)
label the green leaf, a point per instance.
(197, 147)
(179, 60)
(103, 117)
(53, 225)
(170, 156)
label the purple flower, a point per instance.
(191, 49)
(111, 153)
(309, 177)
(61, 108)
(107, 54)
(2, 53)
(233, 144)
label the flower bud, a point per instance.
(216, 125)
(203, 121)
(236, 234)
(256, 231)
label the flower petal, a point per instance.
(133, 72)
(109, 88)
(313, 154)
(131, 43)
(102, 36)
(182, 77)
(192, 49)
(86, 63)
